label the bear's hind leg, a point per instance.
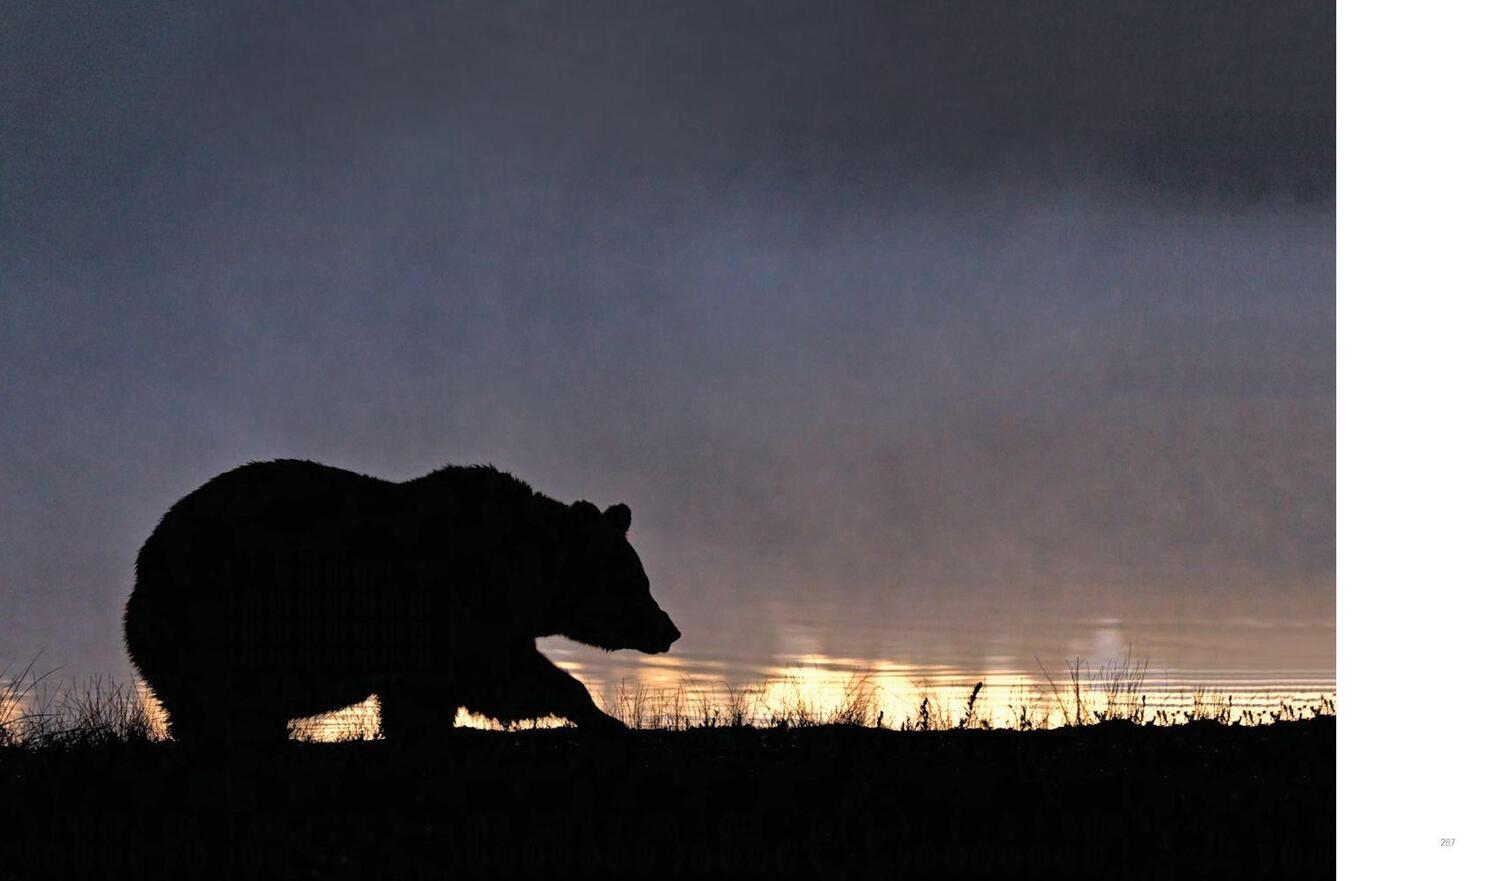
(191, 723)
(406, 715)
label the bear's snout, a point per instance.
(666, 634)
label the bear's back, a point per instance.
(292, 492)
(270, 526)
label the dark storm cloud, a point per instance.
(1230, 98)
(855, 301)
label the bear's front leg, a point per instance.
(534, 687)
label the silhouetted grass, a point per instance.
(36, 711)
(780, 777)
(708, 801)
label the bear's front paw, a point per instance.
(600, 722)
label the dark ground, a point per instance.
(1201, 801)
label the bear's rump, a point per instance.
(273, 610)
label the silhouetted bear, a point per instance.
(284, 589)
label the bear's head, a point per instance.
(610, 604)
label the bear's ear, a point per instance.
(584, 507)
(618, 516)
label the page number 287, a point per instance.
(1446, 842)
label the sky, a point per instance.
(906, 330)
